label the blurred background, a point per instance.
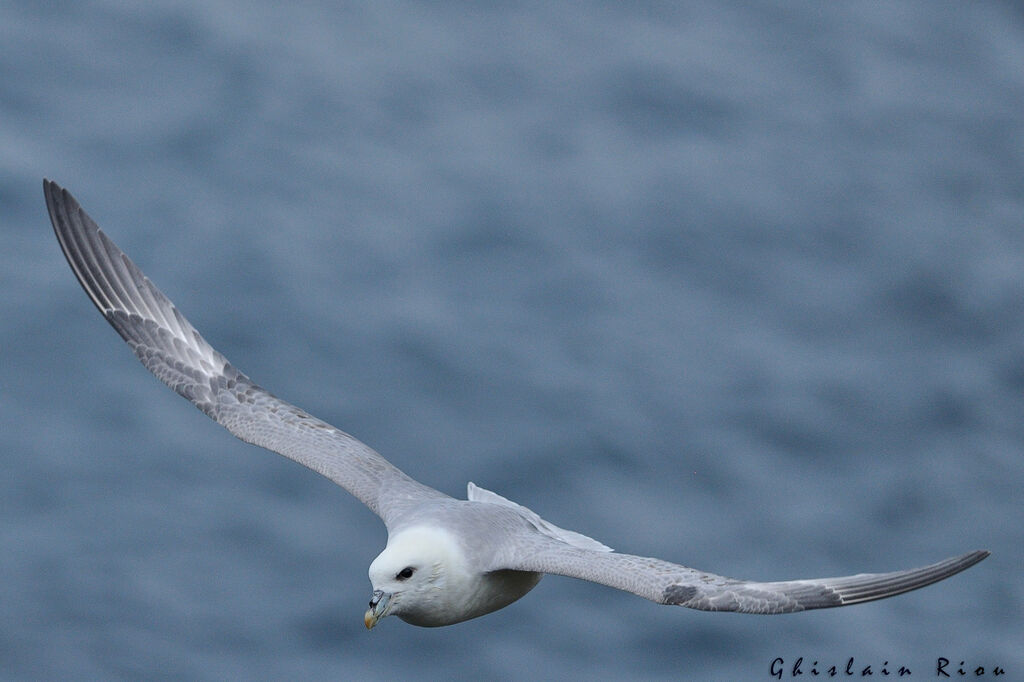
(735, 284)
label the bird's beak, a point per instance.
(379, 603)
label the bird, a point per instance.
(446, 560)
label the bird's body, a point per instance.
(446, 560)
(451, 581)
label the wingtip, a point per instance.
(59, 202)
(961, 563)
(964, 561)
(52, 193)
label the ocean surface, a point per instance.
(735, 284)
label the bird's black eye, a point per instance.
(405, 573)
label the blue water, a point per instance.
(739, 285)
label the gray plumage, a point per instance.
(459, 558)
(175, 352)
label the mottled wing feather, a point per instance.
(668, 583)
(175, 352)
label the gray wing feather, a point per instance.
(673, 584)
(175, 352)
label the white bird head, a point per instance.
(419, 577)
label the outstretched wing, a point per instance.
(668, 583)
(174, 351)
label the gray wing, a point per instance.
(174, 351)
(668, 583)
